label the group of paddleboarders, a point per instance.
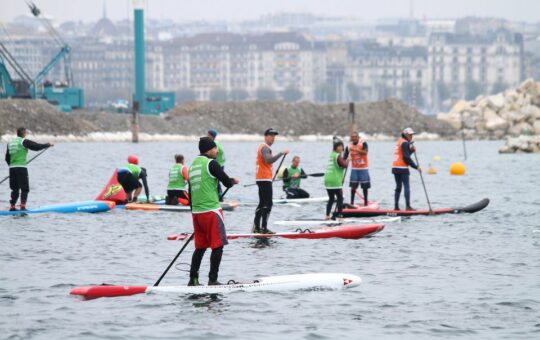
(206, 174)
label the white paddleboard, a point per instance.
(347, 221)
(271, 283)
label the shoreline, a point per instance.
(122, 137)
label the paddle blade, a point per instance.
(92, 292)
(317, 174)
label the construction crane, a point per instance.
(9, 87)
(62, 94)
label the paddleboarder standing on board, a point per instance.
(178, 176)
(291, 180)
(16, 152)
(333, 179)
(207, 215)
(129, 177)
(264, 179)
(212, 134)
(357, 151)
(400, 167)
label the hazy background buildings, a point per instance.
(428, 63)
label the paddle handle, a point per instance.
(31, 159)
(423, 184)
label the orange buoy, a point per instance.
(457, 169)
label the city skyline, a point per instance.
(209, 10)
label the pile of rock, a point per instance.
(521, 144)
(511, 113)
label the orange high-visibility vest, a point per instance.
(399, 162)
(358, 161)
(263, 170)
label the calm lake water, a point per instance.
(448, 276)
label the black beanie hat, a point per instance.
(206, 144)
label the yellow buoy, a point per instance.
(457, 169)
(436, 158)
(431, 171)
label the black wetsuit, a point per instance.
(265, 194)
(18, 176)
(130, 182)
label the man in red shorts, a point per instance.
(209, 228)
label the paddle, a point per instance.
(317, 174)
(463, 137)
(31, 159)
(279, 167)
(273, 179)
(180, 252)
(423, 184)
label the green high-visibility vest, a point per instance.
(293, 182)
(333, 176)
(221, 154)
(203, 186)
(134, 169)
(17, 153)
(176, 179)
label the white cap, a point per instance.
(408, 131)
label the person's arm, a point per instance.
(364, 150)
(286, 178)
(303, 173)
(267, 155)
(217, 172)
(185, 173)
(142, 176)
(342, 162)
(31, 145)
(346, 153)
(406, 149)
(8, 158)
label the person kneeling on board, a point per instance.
(16, 152)
(291, 180)
(129, 176)
(208, 225)
(333, 180)
(400, 167)
(176, 189)
(357, 152)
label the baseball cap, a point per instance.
(408, 131)
(270, 131)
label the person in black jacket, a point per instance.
(16, 158)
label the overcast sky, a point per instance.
(234, 10)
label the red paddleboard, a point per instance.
(113, 191)
(108, 291)
(363, 212)
(344, 231)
